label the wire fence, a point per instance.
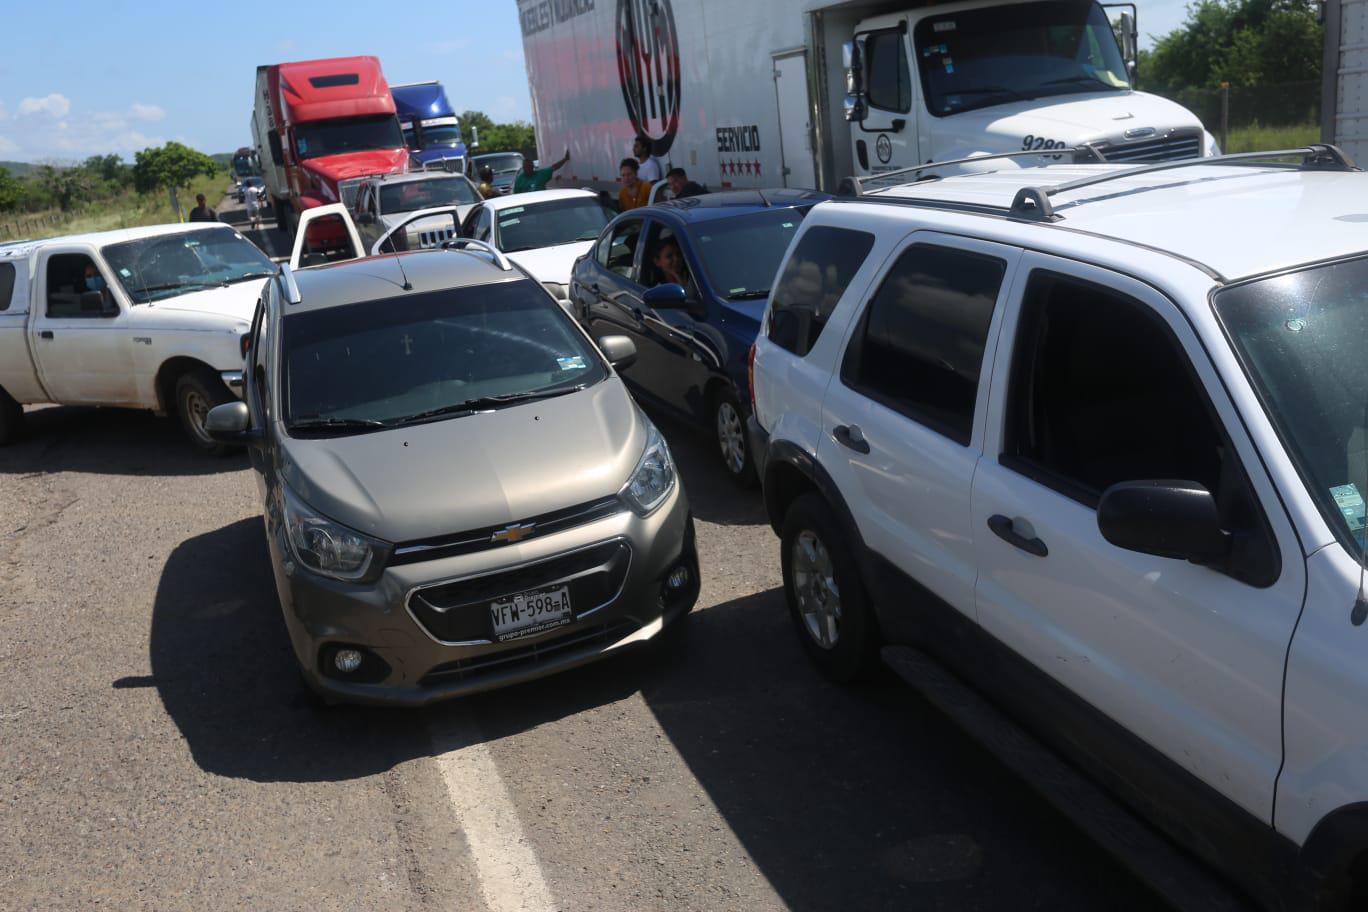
(1289, 104)
(31, 225)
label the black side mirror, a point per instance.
(1175, 519)
(230, 423)
(665, 297)
(619, 350)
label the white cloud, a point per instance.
(4, 114)
(140, 111)
(54, 104)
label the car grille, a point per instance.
(481, 539)
(435, 237)
(1172, 146)
(458, 612)
(530, 655)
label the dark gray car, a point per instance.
(459, 492)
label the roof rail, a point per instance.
(472, 246)
(858, 186)
(291, 287)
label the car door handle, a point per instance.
(1005, 529)
(45, 334)
(850, 436)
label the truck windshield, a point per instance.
(442, 354)
(156, 268)
(499, 164)
(1298, 339)
(442, 135)
(561, 221)
(350, 134)
(978, 58)
(425, 194)
(742, 254)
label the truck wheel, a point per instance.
(729, 430)
(11, 419)
(826, 597)
(196, 393)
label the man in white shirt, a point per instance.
(648, 168)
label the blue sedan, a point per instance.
(688, 281)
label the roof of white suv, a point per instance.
(1236, 220)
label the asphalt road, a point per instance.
(157, 750)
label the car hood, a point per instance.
(237, 301)
(1069, 121)
(487, 469)
(551, 264)
(358, 164)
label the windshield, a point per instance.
(397, 361)
(411, 138)
(426, 194)
(157, 268)
(1299, 338)
(561, 221)
(498, 163)
(442, 135)
(742, 254)
(985, 57)
(351, 134)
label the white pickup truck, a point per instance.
(146, 318)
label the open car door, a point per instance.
(326, 234)
(425, 229)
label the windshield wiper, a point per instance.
(589, 236)
(1079, 80)
(170, 285)
(315, 422)
(988, 90)
(250, 275)
(749, 295)
(487, 403)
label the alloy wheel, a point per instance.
(731, 437)
(814, 584)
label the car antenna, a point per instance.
(394, 252)
(1360, 612)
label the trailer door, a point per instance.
(795, 121)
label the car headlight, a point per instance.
(558, 291)
(327, 548)
(654, 476)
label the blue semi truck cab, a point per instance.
(430, 125)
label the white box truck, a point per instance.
(1344, 77)
(803, 93)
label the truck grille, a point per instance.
(435, 237)
(458, 612)
(1177, 144)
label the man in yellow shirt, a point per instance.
(635, 192)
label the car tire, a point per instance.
(11, 419)
(827, 601)
(197, 392)
(729, 434)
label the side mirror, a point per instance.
(229, 423)
(852, 57)
(366, 218)
(665, 297)
(854, 108)
(1174, 519)
(619, 350)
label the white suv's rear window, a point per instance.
(814, 278)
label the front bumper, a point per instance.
(409, 665)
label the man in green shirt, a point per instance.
(536, 179)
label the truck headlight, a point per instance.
(327, 548)
(654, 476)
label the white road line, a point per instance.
(510, 878)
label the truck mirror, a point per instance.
(855, 109)
(474, 137)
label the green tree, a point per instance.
(170, 167)
(11, 192)
(496, 137)
(1243, 42)
(66, 186)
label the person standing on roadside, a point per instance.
(635, 192)
(202, 212)
(648, 169)
(486, 187)
(530, 178)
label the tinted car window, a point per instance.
(6, 284)
(919, 348)
(742, 254)
(814, 278)
(379, 362)
(410, 196)
(622, 248)
(562, 221)
(890, 81)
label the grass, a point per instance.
(1255, 138)
(127, 210)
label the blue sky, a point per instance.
(85, 78)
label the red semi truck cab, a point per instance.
(320, 127)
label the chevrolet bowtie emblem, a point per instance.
(514, 533)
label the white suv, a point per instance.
(1096, 438)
